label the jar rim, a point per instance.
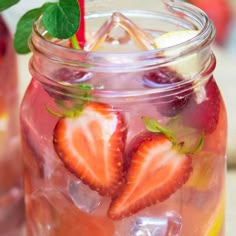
(102, 62)
(40, 44)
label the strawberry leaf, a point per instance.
(72, 108)
(62, 19)
(154, 126)
(4, 4)
(184, 138)
(24, 28)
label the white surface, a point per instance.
(15, 12)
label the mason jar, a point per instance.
(126, 136)
(11, 190)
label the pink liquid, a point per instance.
(53, 207)
(171, 186)
(11, 193)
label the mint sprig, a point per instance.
(24, 28)
(72, 108)
(4, 4)
(61, 19)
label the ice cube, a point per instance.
(168, 224)
(119, 29)
(147, 226)
(83, 197)
(174, 223)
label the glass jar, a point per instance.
(125, 137)
(11, 192)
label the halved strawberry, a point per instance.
(156, 171)
(91, 145)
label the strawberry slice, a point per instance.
(156, 171)
(91, 145)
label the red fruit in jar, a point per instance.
(71, 76)
(3, 37)
(156, 170)
(91, 145)
(204, 115)
(2, 46)
(220, 12)
(171, 102)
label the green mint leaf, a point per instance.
(4, 4)
(85, 87)
(72, 107)
(24, 28)
(62, 19)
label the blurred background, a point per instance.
(222, 13)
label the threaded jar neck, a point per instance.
(50, 54)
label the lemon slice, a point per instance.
(4, 119)
(174, 37)
(217, 220)
(188, 65)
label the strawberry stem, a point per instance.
(182, 145)
(74, 42)
(69, 113)
(72, 108)
(54, 113)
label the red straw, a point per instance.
(80, 35)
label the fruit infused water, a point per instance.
(127, 136)
(11, 193)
